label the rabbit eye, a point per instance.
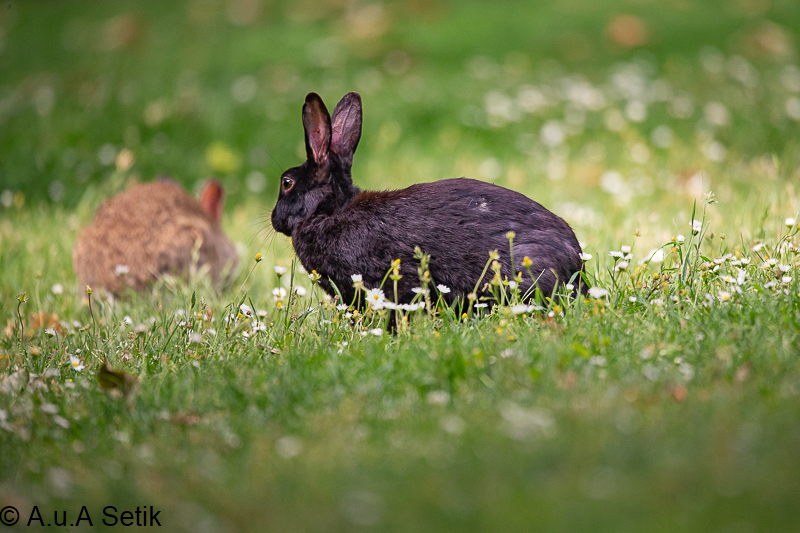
(287, 184)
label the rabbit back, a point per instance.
(151, 229)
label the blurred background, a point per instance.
(615, 114)
(618, 115)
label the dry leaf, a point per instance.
(115, 380)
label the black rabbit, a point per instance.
(339, 230)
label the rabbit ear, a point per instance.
(212, 200)
(346, 128)
(317, 123)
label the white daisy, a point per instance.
(597, 292)
(521, 308)
(279, 293)
(375, 298)
(76, 363)
(655, 256)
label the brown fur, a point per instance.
(152, 229)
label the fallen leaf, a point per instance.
(115, 380)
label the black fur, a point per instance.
(339, 230)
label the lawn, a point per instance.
(667, 134)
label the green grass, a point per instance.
(677, 411)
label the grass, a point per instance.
(671, 403)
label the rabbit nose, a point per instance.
(279, 224)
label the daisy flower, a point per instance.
(521, 308)
(597, 292)
(76, 363)
(279, 293)
(375, 298)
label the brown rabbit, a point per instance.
(152, 229)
